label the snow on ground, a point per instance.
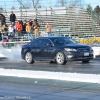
(77, 77)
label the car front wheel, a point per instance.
(60, 58)
(29, 58)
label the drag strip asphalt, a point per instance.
(72, 71)
(73, 67)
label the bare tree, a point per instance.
(21, 3)
(35, 3)
(61, 3)
(64, 3)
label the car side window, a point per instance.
(46, 41)
(37, 42)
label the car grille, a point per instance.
(83, 49)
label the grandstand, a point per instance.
(70, 20)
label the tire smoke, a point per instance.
(13, 54)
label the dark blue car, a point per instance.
(58, 49)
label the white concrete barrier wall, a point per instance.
(96, 51)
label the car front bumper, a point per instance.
(78, 56)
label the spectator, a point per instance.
(18, 28)
(11, 30)
(36, 31)
(21, 22)
(5, 40)
(24, 27)
(35, 22)
(29, 31)
(31, 22)
(4, 28)
(13, 24)
(2, 19)
(48, 29)
(12, 17)
(4, 31)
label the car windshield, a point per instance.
(62, 40)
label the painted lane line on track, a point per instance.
(76, 77)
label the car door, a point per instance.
(36, 48)
(48, 49)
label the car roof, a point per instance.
(50, 37)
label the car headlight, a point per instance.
(70, 49)
(91, 49)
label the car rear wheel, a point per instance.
(60, 58)
(85, 61)
(29, 58)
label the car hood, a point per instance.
(76, 45)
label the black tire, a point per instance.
(60, 58)
(85, 61)
(29, 58)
